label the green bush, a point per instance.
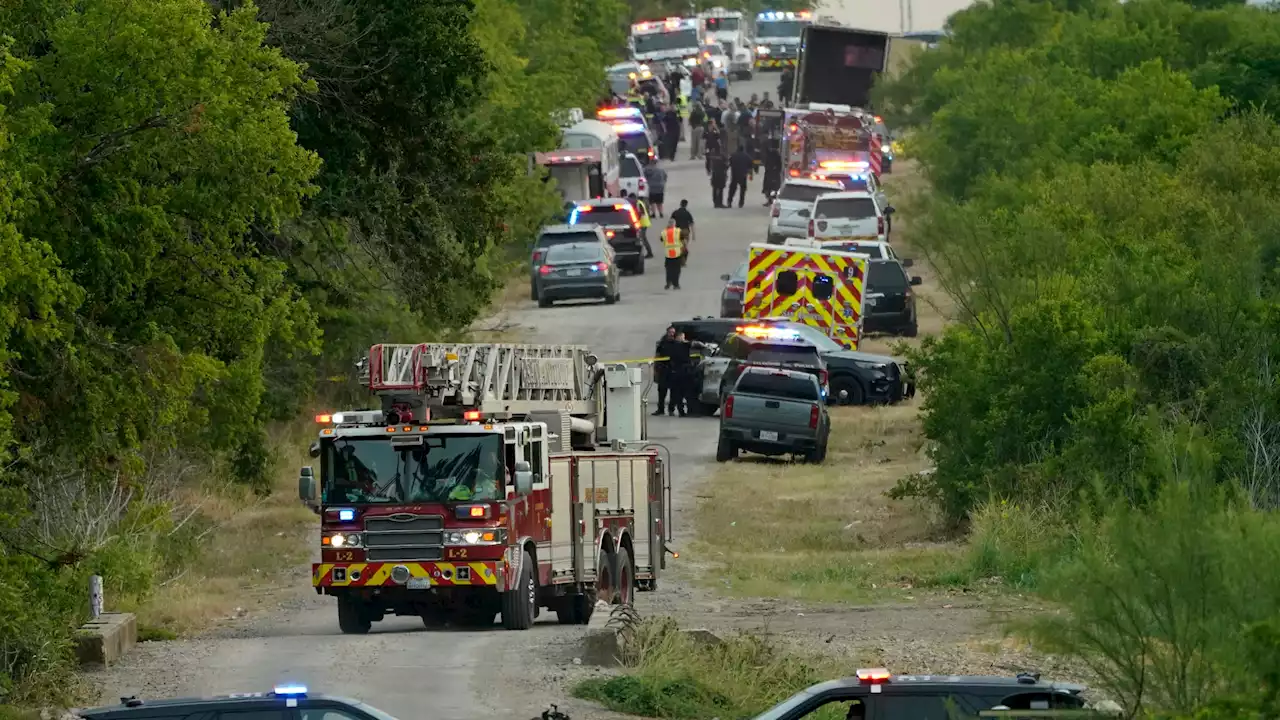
(670, 675)
(1018, 543)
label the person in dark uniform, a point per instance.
(719, 176)
(662, 370)
(681, 375)
(740, 173)
(772, 171)
(785, 85)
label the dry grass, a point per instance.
(828, 532)
(252, 553)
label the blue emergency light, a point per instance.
(628, 128)
(290, 690)
(346, 515)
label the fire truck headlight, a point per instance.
(344, 540)
(496, 536)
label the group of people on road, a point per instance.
(735, 148)
(673, 370)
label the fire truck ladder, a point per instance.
(489, 377)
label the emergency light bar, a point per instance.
(845, 164)
(762, 331)
(290, 690)
(628, 128)
(874, 676)
(622, 112)
(802, 15)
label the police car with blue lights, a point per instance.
(285, 702)
(877, 694)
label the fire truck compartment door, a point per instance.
(617, 485)
(564, 530)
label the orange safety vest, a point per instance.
(671, 241)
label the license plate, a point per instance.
(768, 436)
(418, 583)
(573, 273)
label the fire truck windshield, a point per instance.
(445, 468)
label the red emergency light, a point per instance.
(471, 415)
(874, 676)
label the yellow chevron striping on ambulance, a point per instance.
(820, 288)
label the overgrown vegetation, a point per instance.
(675, 675)
(1104, 414)
(207, 211)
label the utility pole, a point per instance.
(902, 16)
(911, 20)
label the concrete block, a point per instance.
(703, 637)
(600, 645)
(105, 640)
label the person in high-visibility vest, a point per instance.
(642, 213)
(673, 253)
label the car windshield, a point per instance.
(714, 49)
(658, 42)
(611, 215)
(856, 208)
(739, 275)
(564, 238)
(804, 193)
(780, 29)
(636, 142)
(444, 468)
(566, 254)
(631, 168)
(886, 277)
(778, 384)
(819, 339)
(724, 24)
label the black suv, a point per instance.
(855, 377)
(877, 695)
(621, 226)
(888, 304)
(552, 235)
(284, 703)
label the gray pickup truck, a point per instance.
(772, 411)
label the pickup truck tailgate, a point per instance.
(784, 414)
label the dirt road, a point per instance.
(411, 672)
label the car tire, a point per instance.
(725, 450)
(911, 330)
(610, 298)
(818, 454)
(353, 616)
(576, 609)
(639, 267)
(533, 292)
(520, 604)
(846, 390)
(544, 302)
(775, 240)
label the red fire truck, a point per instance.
(481, 487)
(830, 138)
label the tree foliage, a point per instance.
(209, 208)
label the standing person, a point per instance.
(785, 85)
(719, 176)
(697, 118)
(671, 131)
(672, 254)
(662, 369)
(772, 170)
(656, 176)
(715, 144)
(765, 102)
(740, 173)
(722, 86)
(698, 80)
(680, 367)
(684, 221)
(642, 213)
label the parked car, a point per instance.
(731, 297)
(888, 303)
(621, 226)
(874, 249)
(774, 411)
(853, 181)
(577, 271)
(789, 216)
(286, 701)
(553, 235)
(848, 216)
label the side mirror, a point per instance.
(725, 277)
(908, 262)
(314, 451)
(307, 485)
(524, 482)
(890, 210)
(915, 280)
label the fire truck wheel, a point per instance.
(575, 609)
(606, 588)
(626, 578)
(519, 606)
(353, 617)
